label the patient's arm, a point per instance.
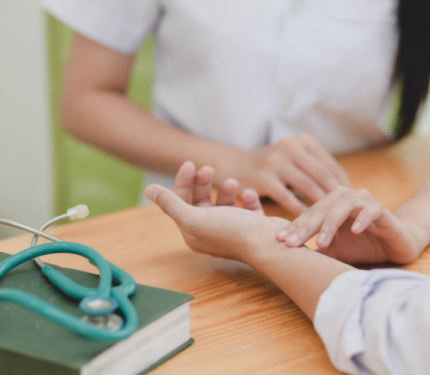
(244, 234)
(369, 321)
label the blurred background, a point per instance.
(44, 171)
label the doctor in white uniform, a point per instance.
(264, 91)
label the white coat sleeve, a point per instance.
(377, 322)
(121, 25)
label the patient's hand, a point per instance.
(355, 228)
(223, 230)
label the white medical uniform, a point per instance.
(377, 322)
(250, 72)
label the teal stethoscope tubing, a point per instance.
(107, 271)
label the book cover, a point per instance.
(31, 344)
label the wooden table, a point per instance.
(242, 323)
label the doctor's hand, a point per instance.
(221, 230)
(355, 228)
(298, 163)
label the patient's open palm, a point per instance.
(221, 230)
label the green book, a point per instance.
(31, 344)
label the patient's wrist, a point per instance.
(270, 253)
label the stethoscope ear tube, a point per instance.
(96, 258)
(67, 285)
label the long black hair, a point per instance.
(412, 67)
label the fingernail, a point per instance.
(294, 239)
(322, 238)
(282, 235)
(356, 227)
(151, 193)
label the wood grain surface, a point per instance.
(242, 323)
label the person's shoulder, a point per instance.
(121, 25)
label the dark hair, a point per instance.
(412, 67)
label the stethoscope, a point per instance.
(98, 305)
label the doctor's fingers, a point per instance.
(274, 188)
(304, 184)
(184, 181)
(314, 148)
(318, 170)
(309, 222)
(327, 223)
(340, 213)
(202, 188)
(378, 214)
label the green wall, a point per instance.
(82, 173)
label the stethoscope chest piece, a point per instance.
(99, 310)
(111, 322)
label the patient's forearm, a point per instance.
(301, 273)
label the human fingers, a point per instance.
(326, 216)
(302, 229)
(322, 206)
(171, 204)
(251, 201)
(302, 183)
(227, 193)
(307, 224)
(277, 190)
(373, 213)
(328, 159)
(344, 210)
(184, 181)
(201, 195)
(317, 170)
